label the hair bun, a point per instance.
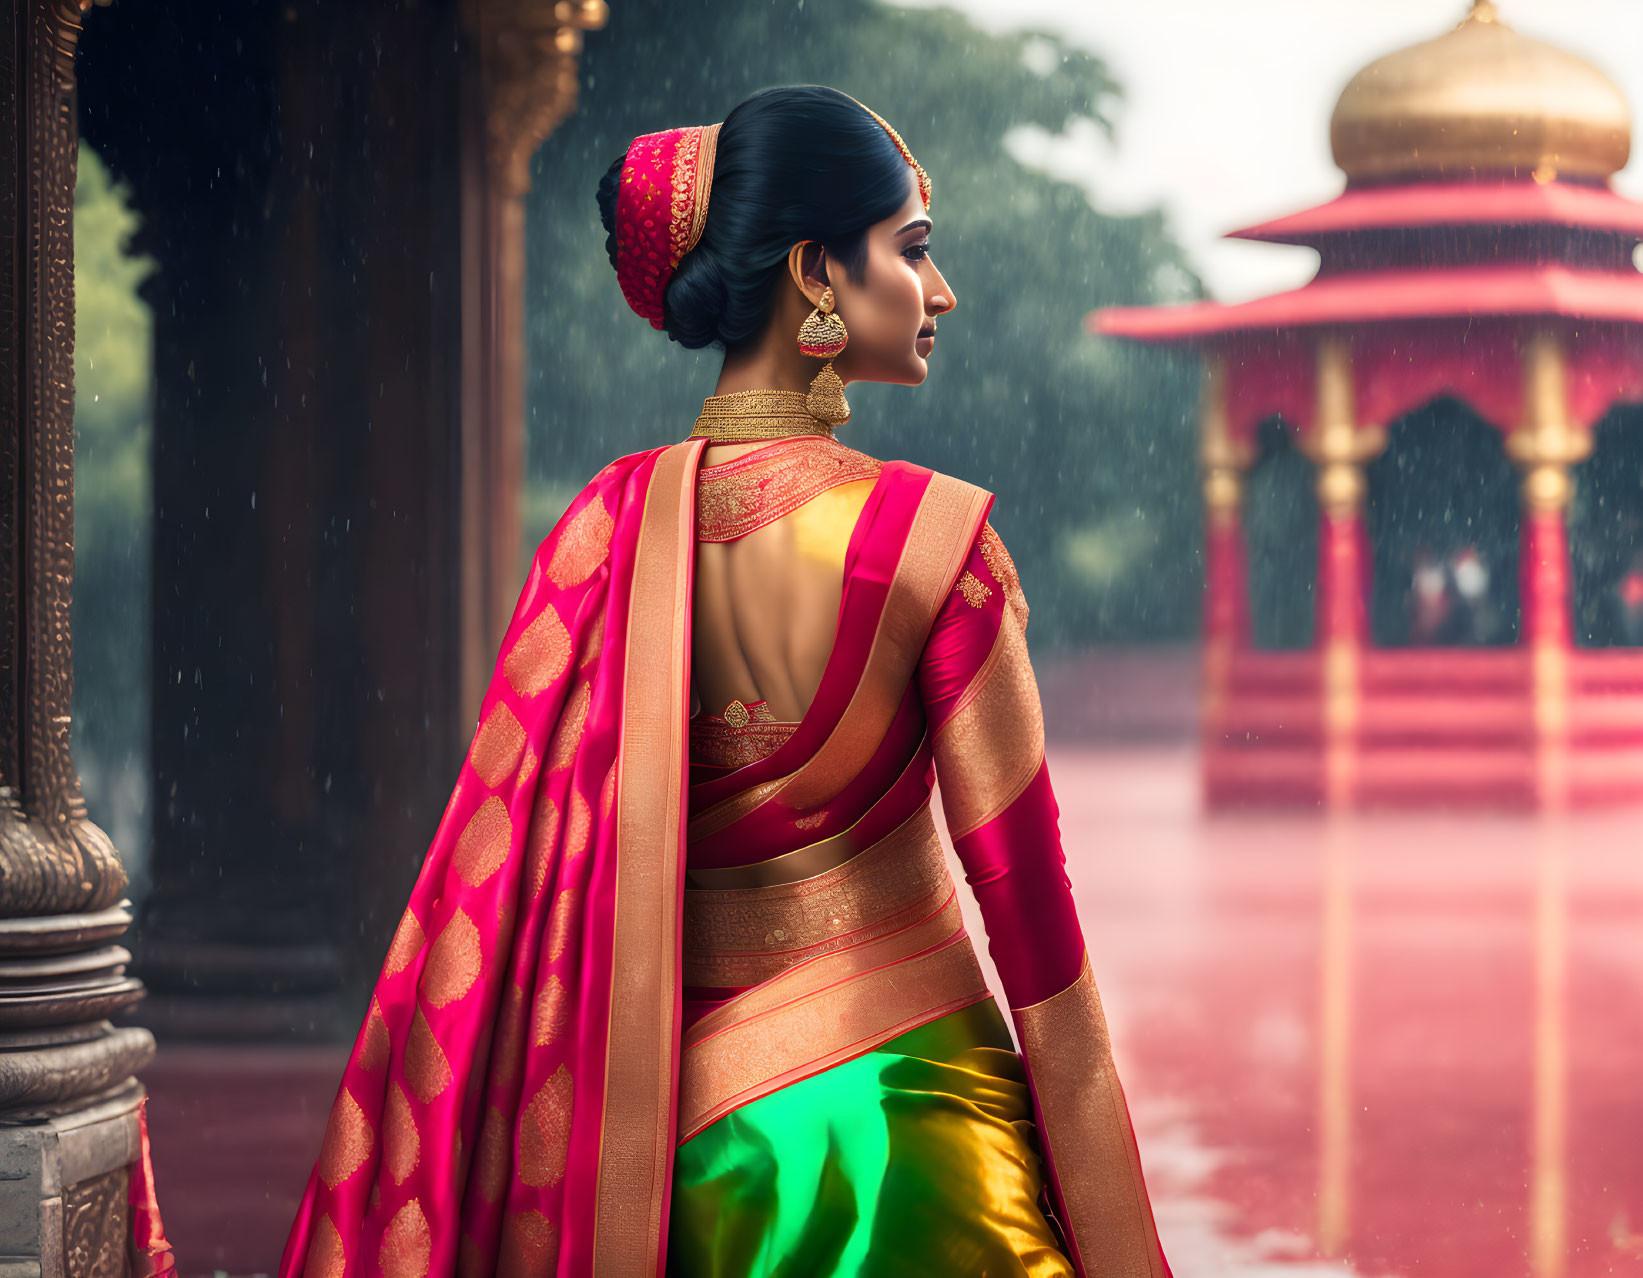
(801, 162)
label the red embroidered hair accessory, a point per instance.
(661, 206)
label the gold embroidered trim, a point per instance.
(1003, 570)
(745, 493)
(824, 1012)
(991, 747)
(725, 746)
(1086, 1131)
(741, 936)
(634, 1149)
(813, 858)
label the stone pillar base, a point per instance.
(64, 1180)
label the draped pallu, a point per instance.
(646, 1013)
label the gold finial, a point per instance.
(1483, 11)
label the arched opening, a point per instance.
(1281, 531)
(1606, 535)
(1443, 523)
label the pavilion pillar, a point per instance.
(1226, 573)
(1339, 447)
(1544, 445)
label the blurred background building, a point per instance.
(1477, 307)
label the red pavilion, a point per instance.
(1478, 257)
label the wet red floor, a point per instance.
(1392, 1045)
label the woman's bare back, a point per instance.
(766, 604)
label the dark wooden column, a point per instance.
(521, 83)
(338, 432)
(68, 1097)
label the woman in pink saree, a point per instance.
(683, 987)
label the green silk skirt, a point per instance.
(918, 1157)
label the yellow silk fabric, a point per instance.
(918, 1157)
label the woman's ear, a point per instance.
(807, 264)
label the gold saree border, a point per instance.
(945, 525)
(635, 1150)
(744, 936)
(823, 1012)
(1086, 1132)
(801, 863)
(991, 747)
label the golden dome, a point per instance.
(1481, 99)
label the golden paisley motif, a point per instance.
(326, 1256)
(594, 644)
(408, 938)
(974, 591)
(454, 962)
(607, 793)
(560, 922)
(376, 1046)
(571, 721)
(544, 1131)
(539, 846)
(578, 826)
(426, 1068)
(401, 1143)
(483, 844)
(407, 1245)
(552, 1012)
(492, 1157)
(583, 544)
(348, 1140)
(497, 745)
(539, 655)
(530, 1246)
(527, 768)
(510, 1035)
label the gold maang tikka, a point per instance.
(823, 336)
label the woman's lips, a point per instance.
(926, 342)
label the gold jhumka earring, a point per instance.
(823, 336)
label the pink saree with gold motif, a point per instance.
(693, 995)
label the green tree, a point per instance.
(113, 364)
(1088, 444)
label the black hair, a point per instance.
(799, 162)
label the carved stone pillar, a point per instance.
(523, 84)
(1340, 447)
(1223, 462)
(1544, 445)
(67, 1093)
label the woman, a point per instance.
(682, 986)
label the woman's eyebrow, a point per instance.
(918, 221)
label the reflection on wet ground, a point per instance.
(1390, 1045)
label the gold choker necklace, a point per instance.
(743, 416)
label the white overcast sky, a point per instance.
(1225, 119)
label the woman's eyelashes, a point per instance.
(917, 252)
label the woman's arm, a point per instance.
(987, 729)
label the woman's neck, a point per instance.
(774, 362)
